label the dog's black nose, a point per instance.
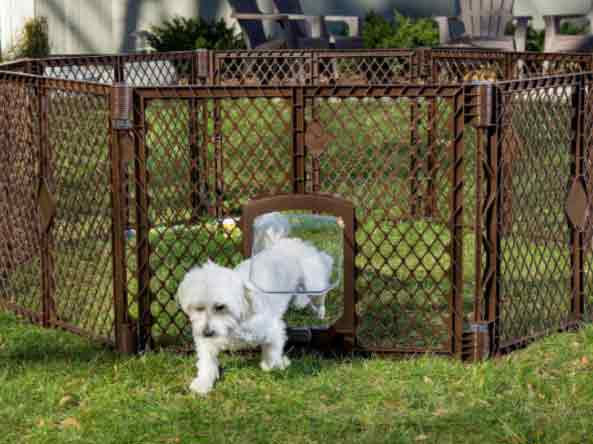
(208, 333)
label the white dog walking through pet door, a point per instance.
(310, 245)
(302, 244)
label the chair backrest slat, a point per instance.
(486, 18)
(253, 30)
(300, 28)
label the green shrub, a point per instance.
(186, 34)
(535, 39)
(32, 41)
(375, 29)
(569, 28)
(403, 32)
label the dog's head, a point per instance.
(214, 299)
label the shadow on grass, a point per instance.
(305, 363)
(22, 343)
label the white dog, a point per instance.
(271, 227)
(310, 271)
(227, 312)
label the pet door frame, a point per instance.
(345, 326)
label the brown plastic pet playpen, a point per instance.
(470, 230)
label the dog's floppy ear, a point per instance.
(194, 277)
(180, 295)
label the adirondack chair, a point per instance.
(484, 23)
(278, 69)
(555, 42)
(250, 19)
(307, 26)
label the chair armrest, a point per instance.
(352, 23)
(254, 16)
(316, 22)
(566, 15)
(281, 19)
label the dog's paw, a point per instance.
(281, 364)
(285, 362)
(265, 366)
(200, 387)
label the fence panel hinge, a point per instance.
(478, 341)
(202, 64)
(479, 103)
(486, 104)
(122, 107)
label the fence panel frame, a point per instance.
(575, 243)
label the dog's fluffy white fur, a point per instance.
(302, 267)
(268, 229)
(228, 313)
(271, 227)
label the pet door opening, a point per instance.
(300, 254)
(301, 246)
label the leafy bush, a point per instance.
(403, 32)
(186, 34)
(375, 29)
(536, 37)
(569, 28)
(32, 41)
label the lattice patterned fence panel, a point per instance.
(535, 274)
(20, 163)
(361, 68)
(550, 64)
(101, 69)
(79, 178)
(315, 67)
(452, 66)
(262, 67)
(587, 141)
(393, 152)
(158, 69)
(196, 182)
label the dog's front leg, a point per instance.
(273, 348)
(207, 364)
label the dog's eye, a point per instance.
(200, 308)
(219, 308)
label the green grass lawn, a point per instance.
(59, 388)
